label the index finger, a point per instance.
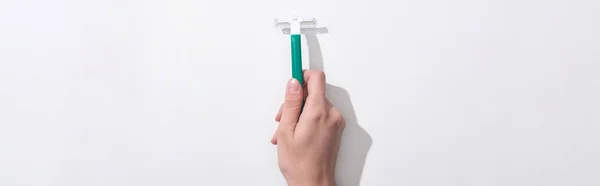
(315, 83)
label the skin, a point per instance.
(308, 139)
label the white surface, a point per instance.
(184, 92)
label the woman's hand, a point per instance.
(308, 139)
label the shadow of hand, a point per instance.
(355, 140)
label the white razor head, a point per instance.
(304, 23)
(295, 25)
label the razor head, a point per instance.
(304, 23)
(295, 25)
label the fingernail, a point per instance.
(293, 86)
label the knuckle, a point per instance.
(319, 74)
(315, 116)
(316, 74)
(336, 118)
(318, 116)
(340, 124)
(292, 103)
(337, 124)
(335, 114)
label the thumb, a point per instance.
(292, 106)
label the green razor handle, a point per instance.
(296, 41)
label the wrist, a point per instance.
(325, 181)
(328, 183)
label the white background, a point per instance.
(184, 92)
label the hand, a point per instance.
(308, 142)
